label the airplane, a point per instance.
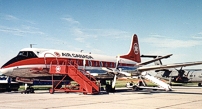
(35, 62)
(176, 75)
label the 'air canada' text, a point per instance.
(77, 55)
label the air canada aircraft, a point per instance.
(35, 62)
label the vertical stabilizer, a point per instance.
(134, 52)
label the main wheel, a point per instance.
(110, 89)
(31, 90)
(135, 88)
(199, 84)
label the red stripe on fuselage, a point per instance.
(37, 61)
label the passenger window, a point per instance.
(77, 61)
(96, 64)
(90, 63)
(106, 64)
(100, 64)
(110, 64)
(81, 62)
(103, 63)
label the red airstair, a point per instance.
(87, 84)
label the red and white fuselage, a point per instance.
(36, 58)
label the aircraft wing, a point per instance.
(146, 68)
(153, 60)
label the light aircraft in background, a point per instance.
(35, 63)
(176, 75)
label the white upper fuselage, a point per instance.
(45, 56)
(48, 53)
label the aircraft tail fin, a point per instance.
(134, 52)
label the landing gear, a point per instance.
(8, 89)
(140, 83)
(109, 88)
(135, 88)
(199, 84)
(28, 90)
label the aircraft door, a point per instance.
(190, 76)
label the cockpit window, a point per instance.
(22, 55)
(28, 54)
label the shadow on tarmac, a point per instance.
(121, 90)
(174, 91)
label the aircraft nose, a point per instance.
(4, 70)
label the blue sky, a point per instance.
(103, 27)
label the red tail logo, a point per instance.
(134, 52)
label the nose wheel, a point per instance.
(28, 90)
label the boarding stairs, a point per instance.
(87, 84)
(156, 81)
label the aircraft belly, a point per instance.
(28, 73)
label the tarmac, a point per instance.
(180, 98)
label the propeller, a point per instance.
(115, 71)
(114, 81)
(117, 62)
(187, 74)
(181, 75)
(125, 73)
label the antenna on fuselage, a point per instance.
(31, 45)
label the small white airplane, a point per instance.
(176, 75)
(35, 62)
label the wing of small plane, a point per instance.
(153, 60)
(147, 68)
